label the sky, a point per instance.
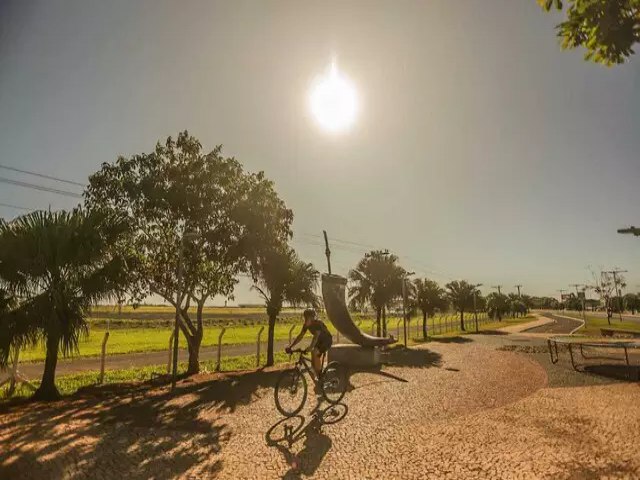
(481, 150)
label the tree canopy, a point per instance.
(282, 277)
(58, 264)
(607, 29)
(180, 199)
(377, 280)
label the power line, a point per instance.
(41, 175)
(8, 205)
(42, 188)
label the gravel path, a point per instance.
(456, 410)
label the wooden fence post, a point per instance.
(103, 357)
(258, 346)
(170, 353)
(220, 348)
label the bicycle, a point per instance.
(291, 388)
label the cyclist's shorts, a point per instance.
(324, 343)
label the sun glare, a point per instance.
(333, 101)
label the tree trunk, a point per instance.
(194, 341)
(270, 335)
(424, 325)
(47, 389)
(378, 317)
(384, 321)
(462, 320)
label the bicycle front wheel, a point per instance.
(334, 382)
(291, 392)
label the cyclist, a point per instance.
(320, 343)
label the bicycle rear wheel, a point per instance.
(290, 392)
(334, 382)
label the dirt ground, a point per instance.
(457, 409)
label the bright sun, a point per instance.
(333, 101)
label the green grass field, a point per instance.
(68, 384)
(145, 339)
(594, 324)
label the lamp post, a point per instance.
(475, 310)
(176, 328)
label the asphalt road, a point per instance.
(128, 360)
(561, 325)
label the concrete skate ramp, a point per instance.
(333, 293)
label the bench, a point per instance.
(613, 332)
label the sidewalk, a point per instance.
(523, 327)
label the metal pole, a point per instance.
(102, 360)
(327, 252)
(258, 347)
(220, 348)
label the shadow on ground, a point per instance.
(129, 431)
(290, 431)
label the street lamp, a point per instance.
(176, 330)
(475, 311)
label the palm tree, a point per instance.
(497, 304)
(283, 277)
(460, 294)
(58, 264)
(377, 279)
(428, 297)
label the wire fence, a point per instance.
(107, 366)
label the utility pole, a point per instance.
(497, 287)
(518, 287)
(616, 285)
(562, 290)
(578, 296)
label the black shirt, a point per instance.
(316, 326)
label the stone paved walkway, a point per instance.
(454, 410)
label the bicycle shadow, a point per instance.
(289, 431)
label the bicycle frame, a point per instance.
(304, 364)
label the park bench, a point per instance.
(617, 332)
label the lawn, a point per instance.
(594, 324)
(68, 384)
(146, 339)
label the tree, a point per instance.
(606, 287)
(497, 305)
(282, 277)
(460, 294)
(608, 29)
(428, 297)
(377, 279)
(632, 302)
(59, 264)
(200, 207)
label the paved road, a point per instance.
(561, 325)
(128, 360)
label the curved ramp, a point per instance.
(333, 293)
